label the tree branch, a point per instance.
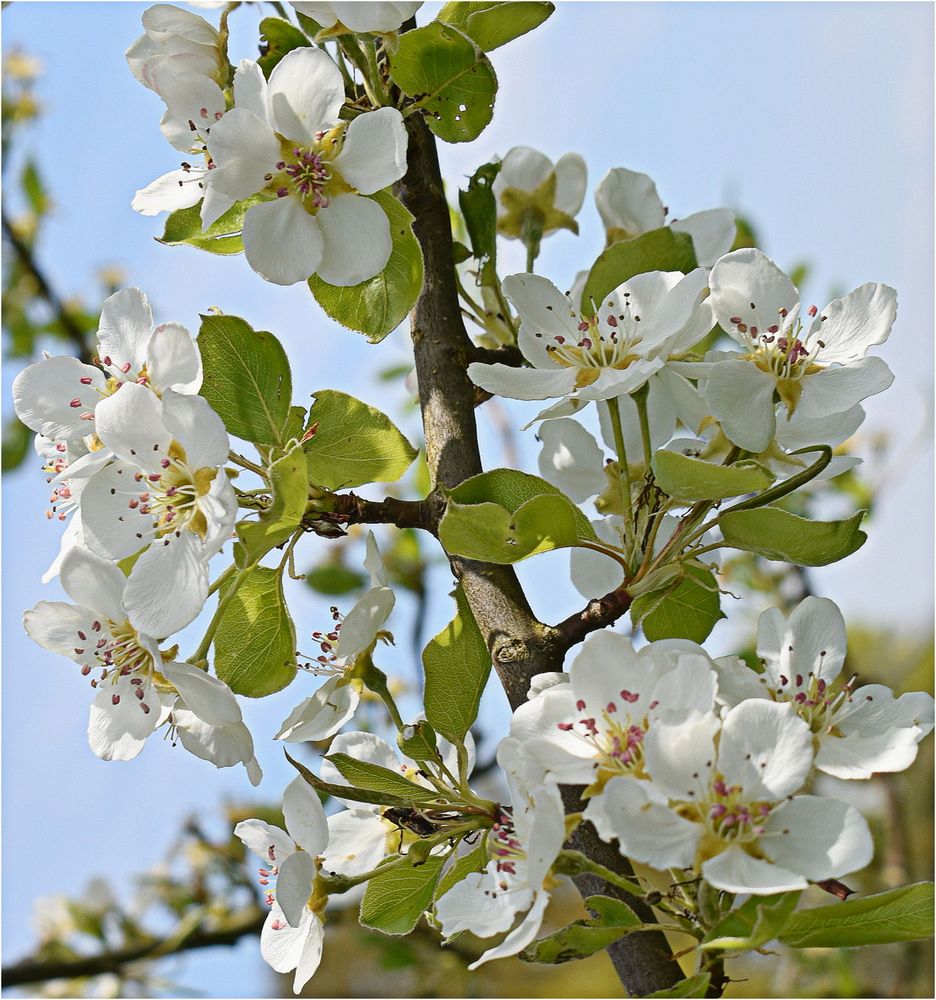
(246, 922)
(521, 646)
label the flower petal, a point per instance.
(628, 200)
(571, 459)
(810, 643)
(543, 309)
(244, 149)
(736, 871)
(168, 585)
(306, 93)
(130, 423)
(850, 325)
(270, 844)
(109, 525)
(523, 168)
(322, 715)
(747, 285)
(173, 360)
(740, 397)
(571, 180)
(53, 395)
(195, 425)
(208, 697)
(282, 242)
(94, 582)
(294, 885)
(357, 243)
(374, 152)
(839, 388)
(766, 748)
(118, 732)
(679, 758)
(357, 842)
(281, 944)
(712, 232)
(522, 383)
(305, 817)
(817, 837)
(169, 192)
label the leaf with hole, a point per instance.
(449, 77)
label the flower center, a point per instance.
(615, 736)
(783, 349)
(607, 342)
(171, 497)
(505, 849)
(815, 701)
(308, 172)
(115, 647)
(729, 819)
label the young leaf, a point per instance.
(373, 777)
(247, 378)
(280, 37)
(611, 912)
(354, 443)
(659, 250)
(584, 937)
(903, 914)
(184, 228)
(694, 986)
(759, 920)
(685, 478)
(346, 791)
(473, 861)
(394, 901)
(377, 306)
(255, 645)
(479, 208)
(779, 535)
(289, 478)
(688, 610)
(449, 77)
(457, 665)
(491, 25)
(334, 580)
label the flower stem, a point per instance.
(202, 652)
(640, 398)
(614, 412)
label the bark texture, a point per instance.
(520, 645)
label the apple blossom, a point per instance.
(593, 728)
(720, 800)
(342, 18)
(856, 731)
(629, 206)
(58, 396)
(284, 138)
(523, 846)
(335, 702)
(166, 487)
(536, 197)
(177, 40)
(816, 371)
(138, 687)
(610, 354)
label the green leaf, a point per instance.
(479, 209)
(759, 920)
(34, 188)
(688, 610)
(377, 306)
(659, 250)
(346, 791)
(504, 516)
(353, 443)
(255, 645)
(457, 665)
(694, 986)
(334, 580)
(779, 535)
(449, 77)
(491, 25)
(280, 37)
(289, 478)
(247, 378)
(17, 443)
(612, 912)
(473, 861)
(223, 236)
(685, 478)
(585, 937)
(418, 741)
(394, 901)
(903, 914)
(373, 777)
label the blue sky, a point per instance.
(815, 120)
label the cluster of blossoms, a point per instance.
(280, 144)
(135, 457)
(687, 762)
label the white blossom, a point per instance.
(857, 731)
(630, 206)
(720, 800)
(166, 490)
(517, 880)
(817, 366)
(611, 354)
(531, 190)
(284, 139)
(377, 18)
